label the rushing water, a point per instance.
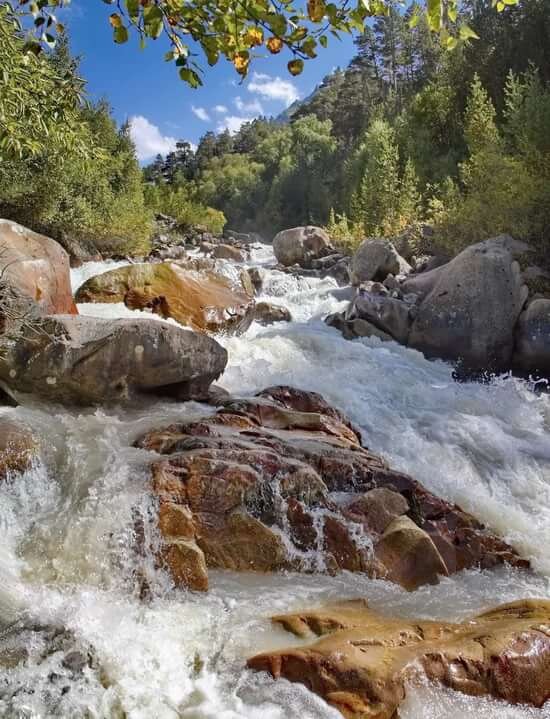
(66, 555)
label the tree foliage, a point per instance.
(241, 30)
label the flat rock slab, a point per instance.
(364, 660)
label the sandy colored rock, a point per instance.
(410, 556)
(198, 298)
(363, 661)
(38, 268)
(301, 245)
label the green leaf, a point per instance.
(190, 77)
(121, 35)
(466, 33)
(434, 14)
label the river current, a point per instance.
(67, 526)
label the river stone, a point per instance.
(364, 660)
(375, 259)
(410, 555)
(37, 267)
(228, 252)
(94, 361)
(198, 298)
(390, 315)
(250, 488)
(470, 308)
(532, 348)
(19, 448)
(267, 313)
(301, 245)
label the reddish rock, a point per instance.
(37, 267)
(252, 487)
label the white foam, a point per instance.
(68, 551)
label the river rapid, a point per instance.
(67, 557)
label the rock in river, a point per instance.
(92, 361)
(301, 245)
(199, 298)
(364, 660)
(37, 267)
(258, 486)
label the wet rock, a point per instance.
(301, 245)
(197, 298)
(252, 488)
(93, 361)
(470, 308)
(19, 448)
(37, 267)
(267, 313)
(364, 660)
(411, 558)
(532, 339)
(228, 252)
(375, 259)
(256, 276)
(379, 507)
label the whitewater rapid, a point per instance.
(67, 555)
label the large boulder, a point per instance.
(532, 336)
(92, 361)
(301, 245)
(268, 313)
(250, 488)
(375, 259)
(364, 660)
(470, 307)
(37, 267)
(198, 298)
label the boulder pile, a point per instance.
(258, 487)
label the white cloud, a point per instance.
(221, 109)
(148, 139)
(201, 113)
(273, 88)
(232, 123)
(252, 108)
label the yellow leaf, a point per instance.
(295, 67)
(316, 10)
(241, 62)
(254, 36)
(115, 20)
(274, 45)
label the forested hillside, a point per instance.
(409, 132)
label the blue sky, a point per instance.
(142, 87)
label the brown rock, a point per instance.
(267, 314)
(363, 663)
(37, 267)
(197, 298)
(251, 487)
(228, 252)
(379, 507)
(410, 556)
(19, 448)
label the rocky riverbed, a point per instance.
(82, 557)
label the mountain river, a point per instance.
(66, 527)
